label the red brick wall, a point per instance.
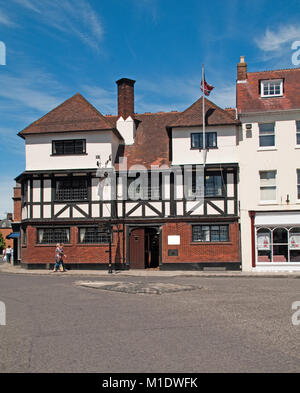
(17, 204)
(76, 253)
(5, 232)
(187, 251)
(199, 252)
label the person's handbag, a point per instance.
(5, 258)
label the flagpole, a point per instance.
(203, 116)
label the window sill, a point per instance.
(68, 155)
(297, 147)
(52, 245)
(267, 148)
(272, 96)
(201, 148)
(210, 243)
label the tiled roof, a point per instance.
(151, 145)
(75, 114)
(248, 92)
(215, 115)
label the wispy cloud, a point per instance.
(275, 41)
(6, 20)
(69, 17)
(35, 90)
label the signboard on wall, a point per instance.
(295, 241)
(263, 241)
(174, 240)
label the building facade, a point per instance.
(141, 175)
(268, 105)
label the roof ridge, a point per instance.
(81, 97)
(279, 69)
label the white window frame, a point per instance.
(263, 201)
(262, 91)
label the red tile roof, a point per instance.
(74, 114)
(248, 93)
(151, 145)
(215, 115)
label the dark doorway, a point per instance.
(151, 248)
(144, 248)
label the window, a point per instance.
(53, 235)
(214, 185)
(75, 189)
(72, 146)
(210, 233)
(93, 235)
(24, 237)
(210, 140)
(298, 183)
(298, 132)
(272, 88)
(277, 244)
(266, 134)
(268, 186)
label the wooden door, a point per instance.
(137, 248)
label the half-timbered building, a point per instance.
(85, 170)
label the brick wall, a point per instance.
(76, 253)
(17, 204)
(199, 252)
(5, 232)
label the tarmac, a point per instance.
(8, 268)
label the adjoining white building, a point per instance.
(268, 106)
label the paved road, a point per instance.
(230, 325)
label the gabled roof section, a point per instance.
(74, 114)
(151, 145)
(248, 92)
(214, 115)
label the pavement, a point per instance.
(235, 324)
(8, 268)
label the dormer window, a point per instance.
(272, 88)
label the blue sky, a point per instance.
(56, 48)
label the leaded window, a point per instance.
(210, 233)
(71, 189)
(93, 235)
(53, 235)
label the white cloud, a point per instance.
(30, 90)
(274, 41)
(5, 20)
(70, 17)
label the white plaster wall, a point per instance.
(127, 129)
(47, 190)
(226, 140)
(284, 158)
(39, 150)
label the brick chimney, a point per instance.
(242, 69)
(125, 97)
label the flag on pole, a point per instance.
(205, 87)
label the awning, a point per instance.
(14, 235)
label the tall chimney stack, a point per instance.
(242, 69)
(125, 97)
